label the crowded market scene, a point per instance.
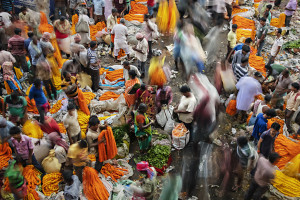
(150, 99)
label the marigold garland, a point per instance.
(50, 183)
(5, 155)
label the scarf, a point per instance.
(8, 73)
(144, 166)
(35, 47)
(57, 140)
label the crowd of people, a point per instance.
(38, 69)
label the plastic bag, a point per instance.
(65, 45)
(50, 163)
(161, 118)
(180, 136)
(42, 150)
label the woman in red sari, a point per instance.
(131, 86)
(143, 95)
(62, 31)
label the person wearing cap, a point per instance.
(17, 106)
(231, 38)
(127, 68)
(248, 87)
(276, 47)
(239, 55)
(141, 52)
(239, 47)
(120, 42)
(5, 126)
(261, 34)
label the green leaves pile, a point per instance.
(157, 156)
(291, 45)
(119, 133)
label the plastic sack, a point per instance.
(107, 39)
(32, 129)
(50, 163)
(42, 150)
(180, 136)
(64, 45)
(292, 168)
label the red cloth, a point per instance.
(151, 3)
(49, 125)
(60, 35)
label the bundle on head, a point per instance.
(93, 187)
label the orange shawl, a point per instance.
(109, 150)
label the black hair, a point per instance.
(37, 82)
(17, 31)
(71, 106)
(271, 113)
(273, 157)
(65, 74)
(67, 175)
(132, 73)
(268, 97)
(62, 18)
(279, 30)
(30, 34)
(1, 46)
(185, 89)
(83, 144)
(114, 10)
(23, 9)
(14, 95)
(248, 40)
(246, 48)
(269, 6)
(244, 60)
(234, 26)
(143, 86)
(93, 44)
(296, 85)
(146, 16)
(242, 141)
(14, 130)
(126, 63)
(275, 126)
(263, 19)
(93, 121)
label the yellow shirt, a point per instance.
(77, 154)
(231, 37)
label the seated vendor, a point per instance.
(127, 68)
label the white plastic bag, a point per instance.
(161, 118)
(180, 142)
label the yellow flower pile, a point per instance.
(88, 96)
(83, 120)
(238, 10)
(56, 107)
(286, 185)
(50, 183)
(278, 22)
(33, 130)
(31, 174)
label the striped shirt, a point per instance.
(92, 56)
(17, 45)
(239, 71)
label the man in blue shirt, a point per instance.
(28, 40)
(7, 6)
(239, 47)
(260, 124)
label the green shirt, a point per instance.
(17, 108)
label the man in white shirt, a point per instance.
(121, 33)
(127, 68)
(186, 107)
(110, 23)
(99, 10)
(276, 47)
(72, 125)
(141, 52)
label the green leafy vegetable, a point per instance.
(291, 45)
(119, 133)
(157, 156)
